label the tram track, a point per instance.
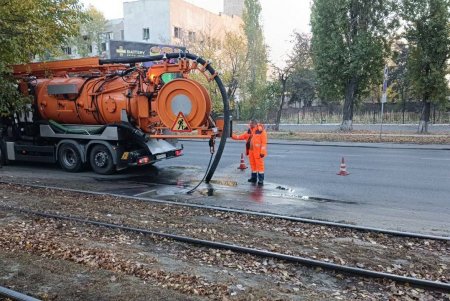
(353, 271)
(121, 197)
(187, 222)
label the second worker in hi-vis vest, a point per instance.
(256, 150)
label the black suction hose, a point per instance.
(226, 129)
(218, 80)
(13, 295)
(204, 177)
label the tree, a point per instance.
(428, 35)
(302, 84)
(29, 28)
(283, 75)
(398, 75)
(297, 78)
(302, 87)
(235, 66)
(256, 50)
(91, 35)
(10, 98)
(229, 56)
(266, 106)
(206, 45)
(349, 45)
(235, 58)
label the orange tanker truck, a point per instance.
(111, 114)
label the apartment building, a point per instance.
(175, 22)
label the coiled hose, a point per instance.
(226, 105)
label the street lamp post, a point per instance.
(384, 97)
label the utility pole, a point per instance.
(384, 97)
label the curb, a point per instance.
(374, 145)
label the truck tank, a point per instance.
(87, 93)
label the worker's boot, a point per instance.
(260, 179)
(253, 179)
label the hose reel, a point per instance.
(186, 96)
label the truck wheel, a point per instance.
(69, 158)
(101, 160)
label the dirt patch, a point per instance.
(343, 246)
(57, 279)
(225, 273)
(58, 261)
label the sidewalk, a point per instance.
(378, 134)
(347, 144)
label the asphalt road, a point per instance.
(407, 189)
(401, 189)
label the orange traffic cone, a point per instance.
(343, 170)
(242, 166)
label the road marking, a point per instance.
(145, 192)
(435, 159)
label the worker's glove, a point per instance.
(262, 155)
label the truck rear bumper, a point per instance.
(157, 150)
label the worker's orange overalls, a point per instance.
(256, 149)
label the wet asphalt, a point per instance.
(398, 189)
(406, 189)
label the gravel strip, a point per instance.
(426, 259)
(115, 251)
(237, 277)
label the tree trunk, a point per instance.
(434, 113)
(280, 109)
(404, 105)
(350, 96)
(425, 117)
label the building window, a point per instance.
(177, 32)
(103, 46)
(122, 34)
(192, 36)
(108, 36)
(90, 48)
(67, 50)
(146, 34)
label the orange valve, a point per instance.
(186, 96)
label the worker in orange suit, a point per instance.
(256, 150)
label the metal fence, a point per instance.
(368, 114)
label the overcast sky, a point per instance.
(280, 19)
